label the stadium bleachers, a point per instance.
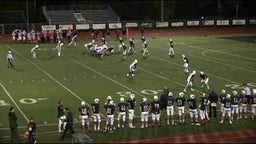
(61, 16)
(99, 15)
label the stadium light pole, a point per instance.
(27, 14)
(162, 10)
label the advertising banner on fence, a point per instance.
(48, 27)
(131, 24)
(115, 25)
(252, 21)
(177, 24)
(238, 22)
(98, 26)
(193, 23)
(66, 27)
(82, 26)
(208, 23)
(162, 24)
(222, 22)
(147, 25)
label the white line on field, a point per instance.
(50, 76)
(14, 102)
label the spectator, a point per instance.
(69, 124)
(31, 131)
(13, 126)
(213, 98)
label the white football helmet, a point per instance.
(223, 91)
(109, 98)
(132, 96)
(170, 94)
(192, 96)
(234, 92)
(135, 60)
(9, 52)
(111, 102)
(181, 94)
(37, 46)
(228, 96)
(83, 103)
(254, 91)
(96, 100)
(242, 92)
(193, 72)
(121, 99)
(203, 94)
(201, 72)
(170, 40)
(144, 99)
(183, 55)
(155, 97)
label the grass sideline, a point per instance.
(35, 85)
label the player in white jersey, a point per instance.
(132, 68)
(190, 81)
(73, 40)
(59, 47)
(10, 58)
(171, 49)
(185, 60)
(34, 51)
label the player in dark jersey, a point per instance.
(227, 109)
(243, 105)
(170, 100)
(93, 37)
(103, 40)
(122, 108)
(145, 49)
(121, 41)
(95, 107)
(192, 103)
(132, 68)
(144, 109)
(253, 104)
(171, 48)
(131, 103)
(84, 116)
(155, 111)
(131, 49)
(235, 98)
(186, 62)
(110, 110)
(180, 101)
(204, 80)
(222, 97)
(203, 107)
(163, 102)
(61, 116)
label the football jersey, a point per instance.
(171, 44)
(170, 101)
(84, 110)
(253, 99)
(60, 109)
(203, 76)
(185, 59)
(122, 106)
(222, 98)
(110, 109)
(155, 105)
(132, 43)
(144, 106)
(234, 99)
(131, 103)
(203, 103)
(180, 101)
(227, 103)
(95, 108)
(192, 103)
(243, 99)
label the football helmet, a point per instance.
(37, 46)
(242, 92)
(192, 96)
(83, 103)
(109, 98)
(170, 40)
(181, 94)
(223, 91)
(144, 99)
(121, 99)
(132, 96)
(228, 96)
(254, 91)
(193, 72)
(111, 102)
(203, 94)
(9, 52)
(155, 97)
(234, 92)
(201, 72)
(96, 100)
(183, 55)
(135, 60)
(170, 94)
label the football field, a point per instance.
(35, 86)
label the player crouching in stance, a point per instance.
(131, 103)
(192, 103)
(190, 81)
(73, 40)
(202, 107)
(96, 114)
(58, 47)
(122, 112)
(227, 109)
(132, 68)
(84, 116)
(155, 111)
(110, 110)
(144, 109)
(204, 80)
(34, 51)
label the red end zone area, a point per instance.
(243, 136)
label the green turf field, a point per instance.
(36, 85)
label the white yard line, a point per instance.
(26, 118)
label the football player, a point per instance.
(132, 68)
(180, 101)
(190, 81)
(31, 131)
(234, 105)
(110, 110)
(222, 97)
(204, 79)
(204, 101)
(61, 116)
(171, 49)
(96, 114)
(34, 51)
(84, 116)
(169, 109)
(185, 60)
(58, 47)
(155, 111)
(10, 58)
(192, 103)
(132, 46)
(73, 40)
(93, 37)
(243, 105)
(253, 104)
(120, 44)
(227, 109)
(131, 103)
(122, 112)
(103, 40)
(145, 49)
(144, 109)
